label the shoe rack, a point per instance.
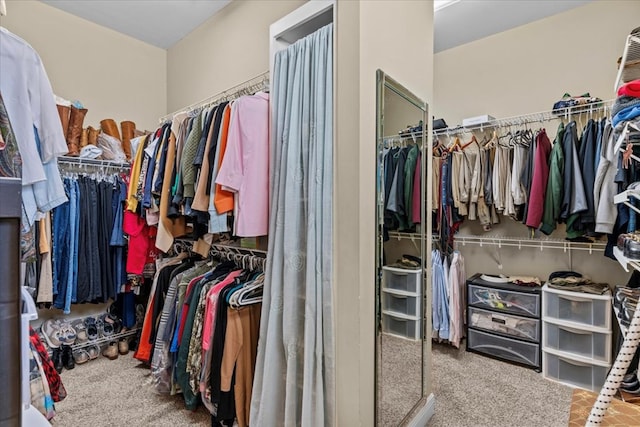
(106, 339)
(103, 340)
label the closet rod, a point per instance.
(539, 117)
(239, 250)
(81, 162)
(257, 83)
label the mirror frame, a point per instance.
(384, 82)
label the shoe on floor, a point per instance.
(67, 357)
(81, 356)
(56, 357)
(123, 346)
(93, 351)
(51, 333)
(111, 351)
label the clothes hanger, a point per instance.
(456, 144)
(473, 140)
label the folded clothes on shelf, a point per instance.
(578, 284)
(569, 101)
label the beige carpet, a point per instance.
(470, 390)
(118, 392)
(399, 380)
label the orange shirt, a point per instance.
(223, 200)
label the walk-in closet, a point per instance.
(319, 213)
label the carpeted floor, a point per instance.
(470, 390)
(400, 379)
(118, 392)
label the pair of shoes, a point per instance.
(63, 358)
(111, 351)
(57, 333)
(629, 244)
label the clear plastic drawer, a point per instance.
(398, 302)
(509, 324)
(573, 372)
(577, 307)
(581, 342)
(504, 348)
(404, 327)
(401, 280)
(504, 300)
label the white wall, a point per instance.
(526, 70)
(114, 75)
(229, 48)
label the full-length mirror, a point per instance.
(402, 251)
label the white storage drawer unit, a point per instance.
(582, 309)
(591, 344)
(560, 367)
(508, 324)
(400, 302)
(504, 348)
(401, 326)
(400, 279)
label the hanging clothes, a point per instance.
(539, 180)
(457, 301)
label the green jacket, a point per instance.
(554, 193)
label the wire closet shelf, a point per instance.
(536, 243)
(248, 87)
(67, 162)
(525, 119)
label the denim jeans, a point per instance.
(60, 252)
(70, 186)
(76, 224)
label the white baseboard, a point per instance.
(425, 413)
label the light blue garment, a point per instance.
(440, 302)
(43, 196)
(294, 376)
(626, 114)
(72, 276)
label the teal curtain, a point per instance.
(294, 378)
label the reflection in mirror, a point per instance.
(401, 252)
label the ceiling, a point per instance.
(464, 21)
(163, 23)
